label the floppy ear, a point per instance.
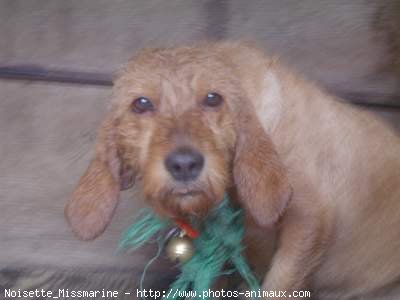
(94, 200)
(260, 177)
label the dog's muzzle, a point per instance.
(184, 164)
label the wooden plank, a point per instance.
(349, 47)
(63, 282)
(391, 116)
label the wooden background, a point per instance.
(47, 128)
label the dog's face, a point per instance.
(175, 128)
(183, 128)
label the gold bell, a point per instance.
(180, 249)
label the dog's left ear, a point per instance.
(259, 174)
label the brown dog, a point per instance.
(191, 123)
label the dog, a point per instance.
(188, 124)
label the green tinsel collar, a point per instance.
(218, 244)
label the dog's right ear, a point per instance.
(94, 200)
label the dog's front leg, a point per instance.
(300, 247)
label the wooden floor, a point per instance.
(47, 128)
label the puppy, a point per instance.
(191, 123)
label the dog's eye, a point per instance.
(141, 105)
(213, 100)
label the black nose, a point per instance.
(184, 164)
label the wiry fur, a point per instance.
(324, 174)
